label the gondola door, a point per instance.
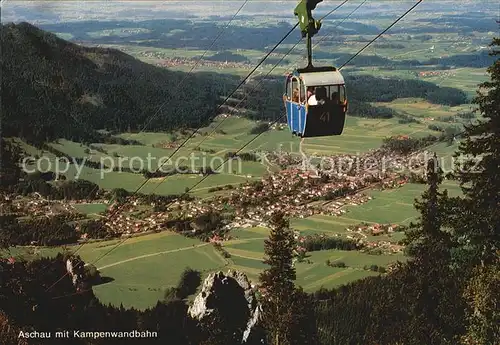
(295, 110)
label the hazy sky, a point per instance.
(61, 11)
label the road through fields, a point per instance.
(153, 254)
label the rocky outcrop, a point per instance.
(75, 268)
(232, 297)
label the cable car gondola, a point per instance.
(315, 97)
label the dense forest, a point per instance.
(448, 291)
(43, 231)
(477, 60)
(52, 88)
(226, 56)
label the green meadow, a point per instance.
(421, 109)
(91, 208)
(142, 267)
(360, 135)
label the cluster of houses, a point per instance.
(21, 206)
(385, 247)
(125, 224)
(337, 207)
(297, 192)
(362, 231)
(426, 74)
(373, 229)
(177, 61)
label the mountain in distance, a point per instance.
(52, 88)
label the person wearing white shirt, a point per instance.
(319, 94)
(311, 98)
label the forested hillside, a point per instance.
(478, 60)
(52, 88)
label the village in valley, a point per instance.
(299, 189)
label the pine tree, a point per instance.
(483, 296)
(435, 309)
(10, 157)
(475, 218)
(278, 282)
(216, 333)
(426, 240)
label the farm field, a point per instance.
(422, 109)
(142, 267)
(360, 136)
(466, 79)
(393, 206)
(91, 208)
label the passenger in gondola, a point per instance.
(295, 96)
(335, 98)
(320, 95)
(310, 92)
(311, 97)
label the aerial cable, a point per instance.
(336, 26)
(194, 132)
(185, 193)
(276, 65)
(239, 85)
(379, 35)
(178, 86)
(187, 75)
(425, 148)
(245, 145)
(245, 97)
(229, 96)
(336, 8)
(249, 142)
(196, 64)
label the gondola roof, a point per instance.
(322, 78)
